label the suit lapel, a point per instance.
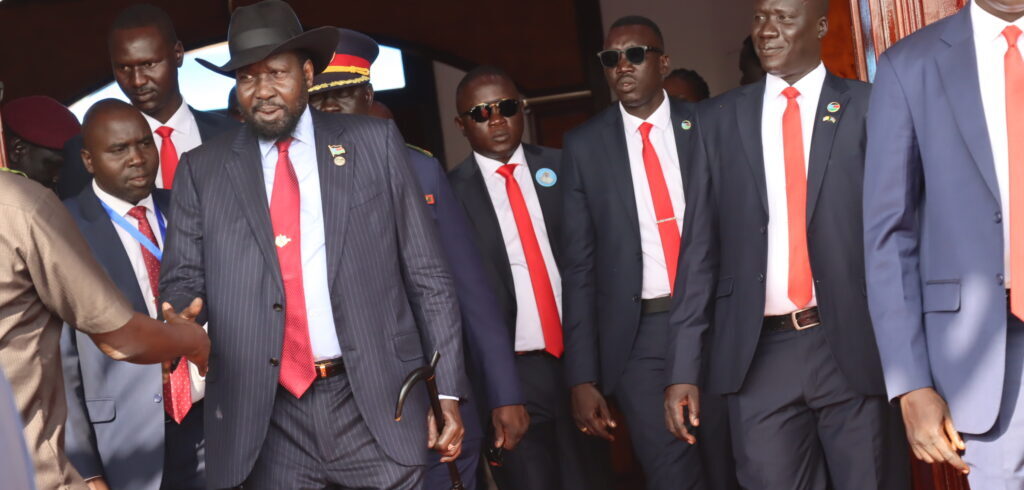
(472, 190)
(748, 118)
(823, 135)
(548, 197)
(205, 132)
(107, 247)
(958, 68)
(682, 124)
(335, 187)
(617, 156)
(245, 171)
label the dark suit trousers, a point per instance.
(436, 476)
(184, 452)
(668, 463)
(549, 456)
(797, 423)
(320, 441)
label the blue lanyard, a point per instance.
(134, 231)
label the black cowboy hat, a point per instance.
(270, 27)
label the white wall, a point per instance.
(702, 35)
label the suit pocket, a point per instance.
(724, 287)
(364, 196)
(941, 296)
(407, 346)
(100, 410)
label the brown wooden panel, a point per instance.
(838, 49)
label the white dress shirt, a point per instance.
(133, 248)
(663, 139)
(529, 334)
(319, 314)
(777, 300)
(185, 135)
(990, 48)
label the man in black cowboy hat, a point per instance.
(307, 236)
(344, 87)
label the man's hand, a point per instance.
(930, 429)
(186, 319)
(679, 399)
(449, 444)
(97, 483)
(510, 424)
(591, 412)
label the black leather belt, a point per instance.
(656, 305)
(798, 320)
(329, 367)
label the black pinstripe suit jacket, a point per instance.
(390, 289)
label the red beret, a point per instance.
(40, 120)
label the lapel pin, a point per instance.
(833, 107)
(546, 177)
(686, 125)
(429, 198)
(828, 119)
(337, 151)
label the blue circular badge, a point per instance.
(546, 177)
(686, 125)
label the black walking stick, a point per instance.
(426, 373)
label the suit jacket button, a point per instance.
(636, 298)
(760, 277)
(763, 230)
(278, 307)
(274, 361)
(999, 279)
(157, 398)
(998, 217)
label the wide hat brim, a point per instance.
(318, 43)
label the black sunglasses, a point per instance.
(482, 112)
(634, 54)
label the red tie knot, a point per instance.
(645, 129)
(283, 145)
(138, 212)
(1011, 33)
(164, 131)
(791, 93)
(507, 169)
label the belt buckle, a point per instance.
(796, 323)
(321, 369)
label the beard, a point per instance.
(280, 128)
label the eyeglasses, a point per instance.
(482, 112)
(634, 54)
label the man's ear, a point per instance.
(460, 124)
(87, 161)
(16, 149)
(822, 27)
(179, 54)
(369, 93)
(666, 65)
(307, 73)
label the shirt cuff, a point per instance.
(448, 397)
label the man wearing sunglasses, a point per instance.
(512, 196)
(624, 202)
(771, 310)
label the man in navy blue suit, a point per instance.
(345, 87)
(126, 428)
(145, 55)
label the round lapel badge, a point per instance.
(686, 125)
(833, 107)
(339, 160)
(546, 177)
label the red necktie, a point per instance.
(297, 371)
(550, 322)
(177, 391)
(664, 215)
(796, 201)
(1013, 67)
(168, 155)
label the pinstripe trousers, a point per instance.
(320, 441)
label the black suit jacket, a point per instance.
(468, 183)
(721, 286)
(602, 273)
(74, 176)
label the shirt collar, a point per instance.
(661, 118)
(810, 83)
(181, 121)
(303, 134)
(490, 166)
(988, 27)
(120, 206)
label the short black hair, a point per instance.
(481, 72)
(145, 15)
(639, 20)
(691, 76)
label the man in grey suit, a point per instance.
(944, 238)
(307, 236)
